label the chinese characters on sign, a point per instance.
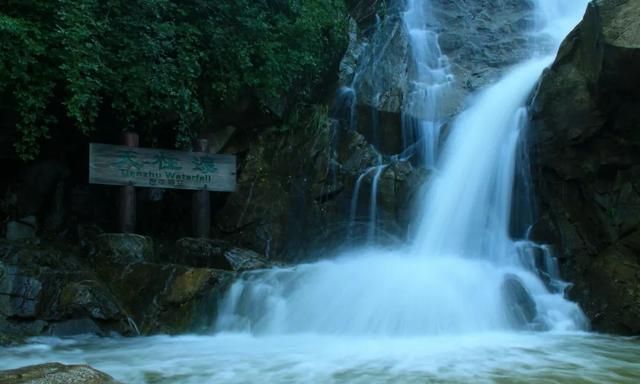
(143, 167)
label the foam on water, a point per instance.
(386, 293)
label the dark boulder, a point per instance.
(521, 310)
(122, 249)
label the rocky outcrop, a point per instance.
(379, 96)
(380, 79)
(55, 373)
(49, 290)
(480, 37)
(587, 162)
(157, 297)
(296, 189)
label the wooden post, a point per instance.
(201, 204)
(127, 211)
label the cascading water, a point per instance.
(424, 111)
(345, 112)
(371, 217)
(453, 276)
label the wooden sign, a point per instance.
(161, 168)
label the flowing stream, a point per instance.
(440, 309)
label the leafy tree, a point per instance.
(149, 62)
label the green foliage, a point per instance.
(158, 63)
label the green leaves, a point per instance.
(82, 60)
(157, 62)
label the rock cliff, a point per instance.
(587, 162)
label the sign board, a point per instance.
(161, 168)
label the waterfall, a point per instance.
(461, 272)
(354, 219)
(373, 205)
(423, 115)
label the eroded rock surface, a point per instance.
(55, 373)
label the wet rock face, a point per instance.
(480, 37)
(55, 373)
(43, 291)
(157, 297)
(521, 309)
(587, 154)
(63, 292)
(380, 79)
(295, 194)
(398, 191)
(294, 189)
(169, 298)
(18, 293)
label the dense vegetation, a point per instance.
(150, 62)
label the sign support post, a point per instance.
(201, 203)
(127, 211)
(128, 166)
